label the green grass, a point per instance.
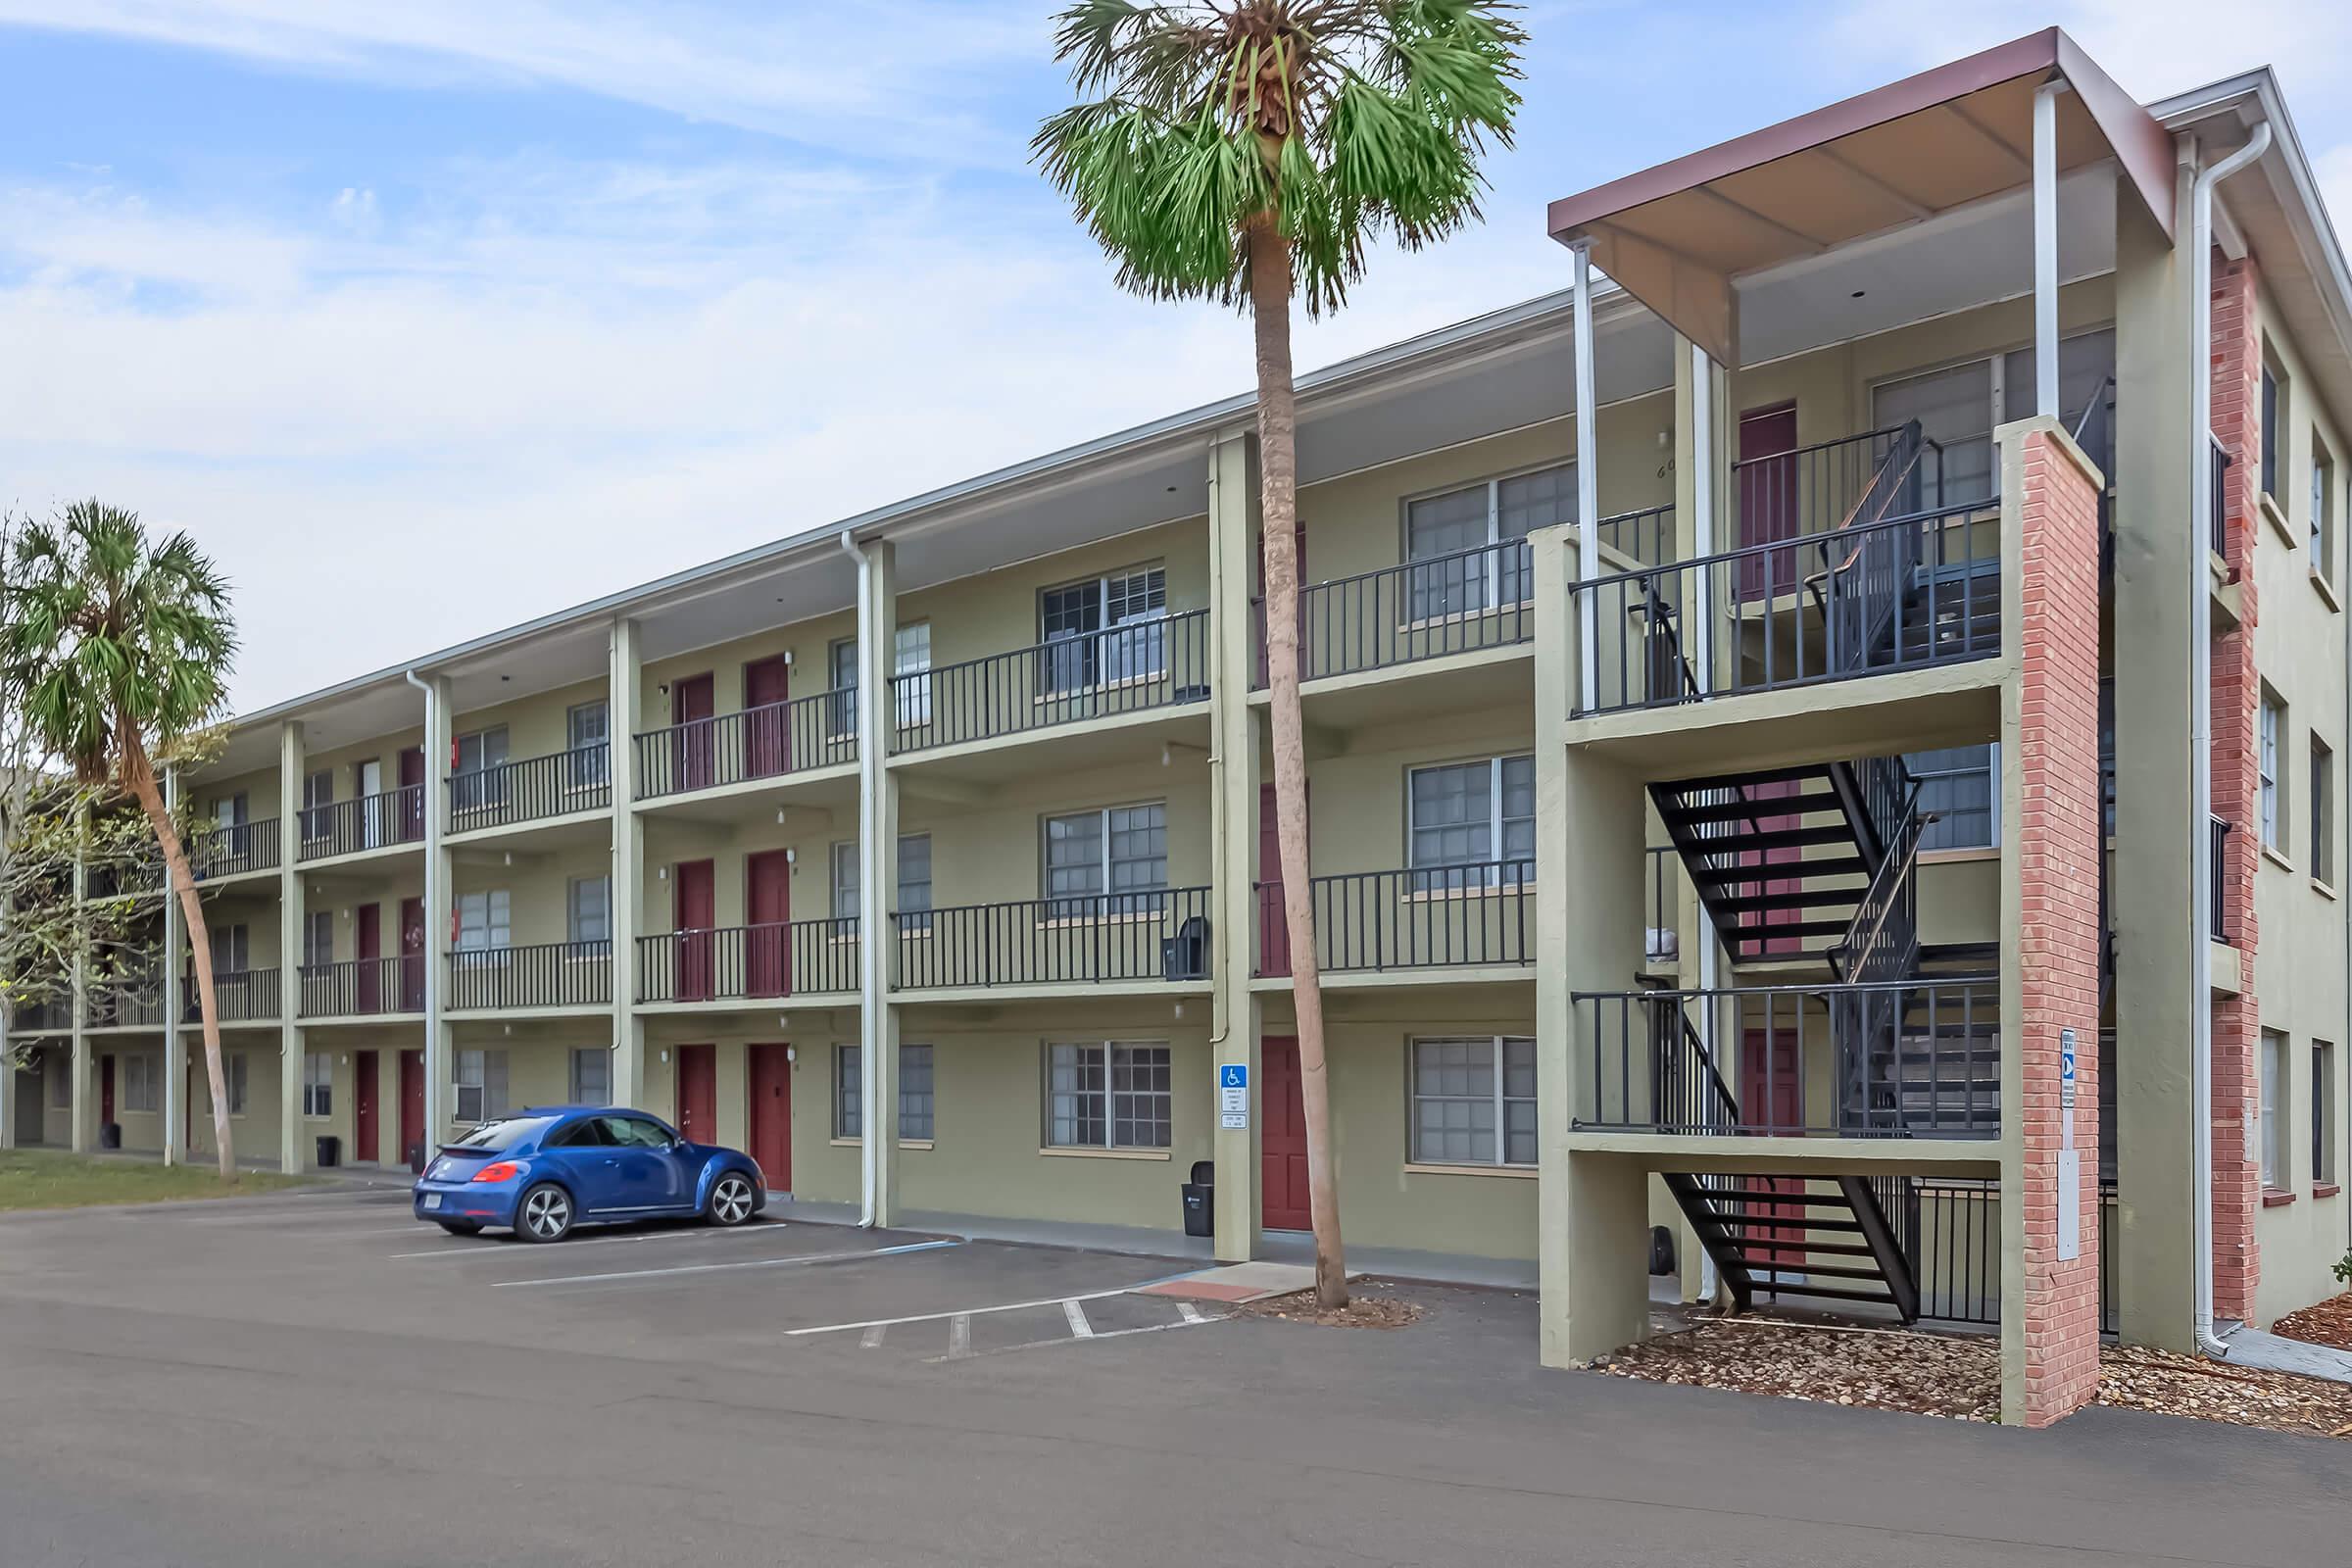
(40, 1178)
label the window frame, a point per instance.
(1502, 1101)
(317, 923)
(1997, 392)
(484, 783)
(2319, 810)
(1060, 674)
(1502, 586)
(238, 1073)
(495, 901)
(2270, 449)
(1989, 768)
(317, 802)
(2325, 1091)
(2274, 1103)
(848, 1093)
(1145, 900)
(2270, 793)
(1108, 1055)
(487, 1086)
(138, 1082)
(575, 1086)
(318, 1085)
(1497, 824)
(588, 764)
(572, 889)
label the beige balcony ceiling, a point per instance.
(1680, 236)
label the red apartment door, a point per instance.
(694, 911)
(1768, 497)
(1772, 1092)
(363, 1133)
(771, 1114)
(767, 896)
(692, 701)
(410, 814)
(412, 1104)
(368, 945)
(412, 955)
(1282, 1141)
(767, 738)
(698, 1092)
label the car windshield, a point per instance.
(506, 1132)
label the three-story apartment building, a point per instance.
(1818, 746)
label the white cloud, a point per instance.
(873, 77)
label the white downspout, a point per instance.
(2200, 715)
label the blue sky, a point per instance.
(427, 318)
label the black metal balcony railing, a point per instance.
(364, 988)
(771, 741)
(230, 851)
(1439, 916)
(1159, 935)
(578, 781)
(2217, 856)
(1427, 609)
(743, 963)
(552, 974)
(1953, 1238)
(1661, 927)
(364, 823)
(1831, 485)
(124, 1004)
(1924, 1060)
(1902, 594)
(144, 875)
(242, 995)
(1646, 535)
(54, 1014)
(1132, 669)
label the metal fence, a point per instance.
(1160, 934)
(552, 974)
(1439, 916)
(363, 988)
(536, 787)
(749, 962)
(771, 741)
(365, 822)
(1143, 664)
(230, 851)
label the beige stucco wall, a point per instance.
(2300, 648)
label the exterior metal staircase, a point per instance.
(1835, 1239)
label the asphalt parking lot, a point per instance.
(317, 1378)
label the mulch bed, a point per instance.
(1959, 1377)
(2327, 1322)
(1361, 1311)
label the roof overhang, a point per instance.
(1680, 236)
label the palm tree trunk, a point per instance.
(139, 775)
(1278, 485)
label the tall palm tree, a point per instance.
(120, 649)
(1250, 150)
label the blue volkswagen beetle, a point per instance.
(543, 1171)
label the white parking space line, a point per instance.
(1192, 1313)
(476, 1247)
(976, 1312)
(1078, 1326)
(959, 1336)
(871, 1339)
(968, 1353)
(713, 1268)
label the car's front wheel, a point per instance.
(543, 1214)
(731, 1199)
(463, 1227)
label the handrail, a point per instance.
(1818, 446)
(529, 788)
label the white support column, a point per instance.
(877, 881)
(175, 1044)
(1236, 1016)
(2045, 248)
(624, 717)
(1587, 486)
(293, 1040)
(439, 899)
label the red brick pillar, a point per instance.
(2058, 852)
(2236, 764)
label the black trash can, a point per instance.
(330, 1151)
(417, 1158)
(1200, 1199)
(110, 1135)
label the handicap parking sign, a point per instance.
(1233, 1095)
